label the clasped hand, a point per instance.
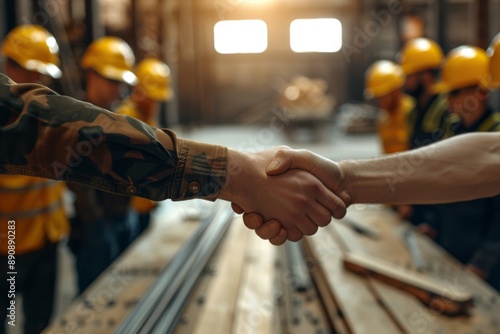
(298, 193)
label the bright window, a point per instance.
(240, 36)
(316, 35)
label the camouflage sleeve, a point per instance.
(52, 136)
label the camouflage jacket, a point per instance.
(53, 136)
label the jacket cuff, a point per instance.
(201, 170)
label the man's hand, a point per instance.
(287, 160)
(296, 199)
(327, 171)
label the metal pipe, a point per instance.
(301, 279)
(168, 320)
(174, 275)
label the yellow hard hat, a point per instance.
(494, 53)
(383, 77)
(463, 67)
(154, 77)
(112, 58)
(420, 54)
(33, 48)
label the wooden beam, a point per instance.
(221, 298)
(431, 292)
(407, 310)
(256, 301)
(359, 307)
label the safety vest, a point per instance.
(489, 122)
(36, 207)
(393, 129)
(426, 126)
(127, 107)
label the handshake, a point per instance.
(284, 193)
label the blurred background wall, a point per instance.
(216, 88)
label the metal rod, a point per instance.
(167, 320)
(414, 250)
(172, 277)
(301, 279)
(291, 315)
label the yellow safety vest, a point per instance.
(36, 206)
(393, 129)
(129, 108)
(141, 205)
(430, 127)
(490, 124)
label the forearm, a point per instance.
(246, 178)
(461, 168)
(47, 135)
(239, 163)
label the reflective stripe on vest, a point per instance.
(434, 115)
(491, 124)
(32, 213)
(37, 207)
(34, 186)
(24, 197)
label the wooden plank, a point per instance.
(256, 306)
(431, 292)
(221, 298)
(359, 307)
(486, 308)
(409, 312)
(330, 305)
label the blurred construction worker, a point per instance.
(108, 62)
(153, 87)
(32, 211)
(384, 81)
(103, 222)
(421, 59)
(32, 54)
(494, 54)
(467, 91)
(470, 230)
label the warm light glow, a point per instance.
(253, 1)
(244, 36)
(316, 35)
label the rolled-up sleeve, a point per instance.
(52, 136)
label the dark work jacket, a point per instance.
(470, 231)
(426, 124)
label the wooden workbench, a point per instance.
(369, 306)
(246, 286)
